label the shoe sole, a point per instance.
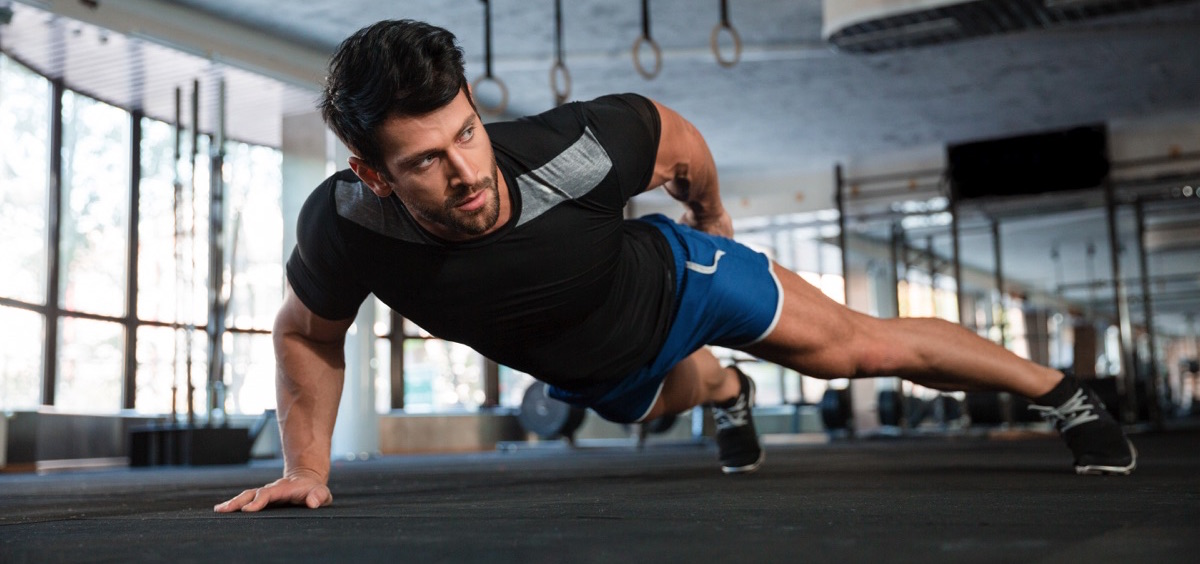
(762, 455)
(1101, 470)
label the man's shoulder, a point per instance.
(610, 117)
(322, 196)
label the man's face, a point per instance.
(442, 168)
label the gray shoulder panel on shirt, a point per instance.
(357, 203)
(571, 174)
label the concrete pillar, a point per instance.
(356, 434)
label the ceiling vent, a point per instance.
(871, 26)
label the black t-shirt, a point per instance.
(568, 290)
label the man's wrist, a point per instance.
(305, 473)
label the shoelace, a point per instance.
(1074, 412)
(734, 416)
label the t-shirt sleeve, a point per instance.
(628, 127)
(319, 270)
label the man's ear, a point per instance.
(371, 177)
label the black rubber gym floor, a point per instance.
(902, 500)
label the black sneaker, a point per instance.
(737, 441)
(1099, 444)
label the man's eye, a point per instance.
(424, 161)
(467, 134)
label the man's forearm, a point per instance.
(308, 389)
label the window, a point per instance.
(89, 366)
(24, 190)
(21, 333)
(440, 375)
(95, 206)
(92, 253)
(159, 275)
(250, 374)
(513, 384)
(172, 270)
(254, 235)
(254, 277)
(158, 355)
(93, 325)
(437, 375)
(24, 169)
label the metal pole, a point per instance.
(933, 275)
(899, 248)
(491, 383)
(129, 395)
(396, 342)
(956, 240)
(54, 213)
(177, 254)
(997, 252)
(1153, 383)
(1126, 385)
(843, 242)
(839, 196)
(897, 245)
(216, 265)
(191, 325)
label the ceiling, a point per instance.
(791, 103)
(792, 106)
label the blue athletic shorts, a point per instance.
(726, 295)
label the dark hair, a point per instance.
(390, 68)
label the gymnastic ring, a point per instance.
(498, 108)
(737, 45)
(560, 94)
(637, 61)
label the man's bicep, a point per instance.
(296, 319)
(680, 147)
(323, 277)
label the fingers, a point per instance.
(248, 501)
(236, 503)
(319, 497)
(262, 496)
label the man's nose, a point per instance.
(461, 168)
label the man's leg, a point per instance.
(700, 379)
(819, 337)
(697, 380)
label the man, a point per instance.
(511, 239)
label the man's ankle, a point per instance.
(731, 400)
(1061, 393)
